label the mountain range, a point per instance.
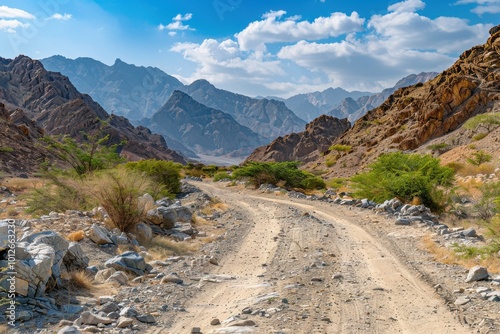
(52, 102)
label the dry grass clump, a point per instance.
(123, 248)
(449, 256)
(76, 236)
(215, 206)
(17, 184)
(470, 169)
(80, 280)
(159, 248)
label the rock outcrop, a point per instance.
(57, 107)
(202, 129)
(303, 146)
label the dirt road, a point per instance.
(305, 267)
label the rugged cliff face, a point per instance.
(56, 106)
(304, 146)
(20, 152)
(202, 129)
(414, 115)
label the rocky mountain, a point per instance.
(57, 107)
(127, 90)
(353, 108)
(202, 129)
(311, 105)
(19, 150)
(304, 146)
(415, 115)
(268, 118)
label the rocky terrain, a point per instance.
(127, 90)
(268, 118)
(303, 146)
(205, 130)
(354, 108)
(271, 261)
(57, 107)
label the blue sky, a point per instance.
(254, 47)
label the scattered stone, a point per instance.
(214, 261)
(172, 278)
(128, 312)
(244, 323)
(118, 277)
(146, 318)
(104, 274)
(196, 330)
(469, 233)
(215, 322)
(109, 307)
(124, 322)
(69, 330)
(129, 261)
(246, 310)
(90, 318)
(99, 235)
(462, 300)
(477, 273)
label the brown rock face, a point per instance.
(303, 146)
(51, 101)
(414, 115)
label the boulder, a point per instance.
(129, 261)
(75, 258)
(124, 322)
(145, 202)
(104, 274)
(162, 216)
(4, 232)
(89, 318)
(143, 232)
(99, 235)
(477, 273)
(118, 277)
(69, 330)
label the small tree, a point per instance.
(165, 173)
(90, 155)
(479, 158)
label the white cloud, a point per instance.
(177, 24)
(14, 13)
(406, 6)
(11, 25)
(374, 53)
(61, 17)
(483, 6)
(273, 30)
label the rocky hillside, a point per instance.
(415, 115)
(311, 105)
(268, 118)
(127, 90)
(56, 106)
(354, 108)
(19, 152)
(304, 146)
(202, 129)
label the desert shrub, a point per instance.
(90, 155)
(478, 158)
(437, 147)
(488, 204)
(488, 121)
(479, 136)
(340, 148)
(222, 176)
(336, 183)
(6, 149)
(404, 176)
(456, 166)
(60, 192)
(167, 174)
(117, 192)
(209, 170)
(330, 162)
(279, 172)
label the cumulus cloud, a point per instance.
(14, 13)
(483, 6)
(177, 23)
(61, 17)
(273, 30)
(342, 50)
(11, 25)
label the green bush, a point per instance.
(437, 147)
(61, 192)
(279, 172)
(6, 149)
(117, 191)
(479, 136)
(210, 170)
(222, 176)
(405, 176)
(164, 173)
(340, 148)
(488, 121)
